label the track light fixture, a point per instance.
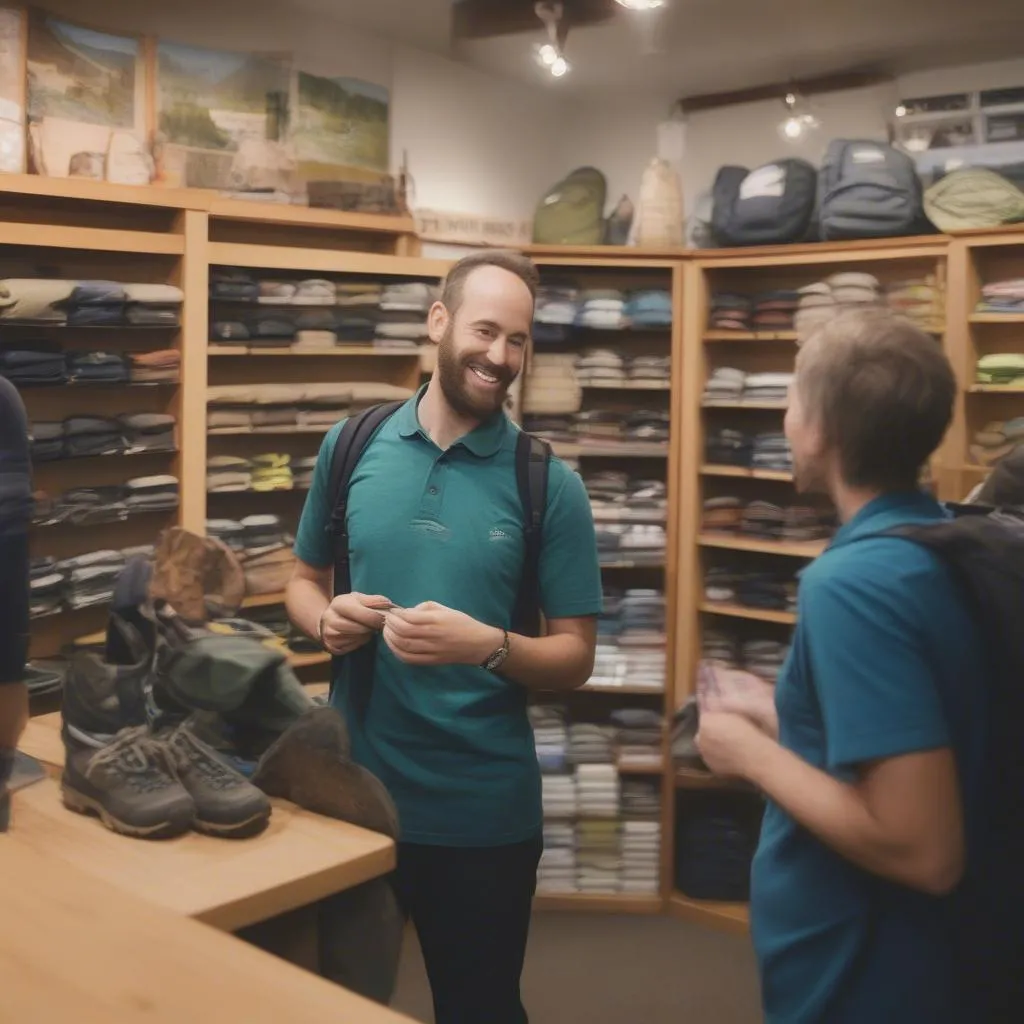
(551, 55)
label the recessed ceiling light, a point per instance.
(641, 5)
(560, 67)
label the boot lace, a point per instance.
(187, 753)
(136, 759)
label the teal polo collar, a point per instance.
(887, 511)
(484, 441)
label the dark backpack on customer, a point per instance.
(868, 190)
(532, 457)
(772, 205)
(986, 555)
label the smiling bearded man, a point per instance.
(436, 536)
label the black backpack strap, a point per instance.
(532, 457)
(355, 437)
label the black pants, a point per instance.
(471, 909)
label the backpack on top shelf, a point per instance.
(973, 198)
(572, 213)
(868, 190)
(772, 205)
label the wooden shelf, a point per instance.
(309, 660)
(781, 406)
(793, 549)
(568, 450)
(626, 565)
(739, 611)
(727, 917)
(996, 389)
(55, 236)
(996, 318)
(750, 336)
(309, 216)
(633, 769)
(635, 691)
(629, 385)
(326, 261)
(696, 778)
(613, 903)
(361, 351)
(747, 473)
(268, 431)
(263, 600)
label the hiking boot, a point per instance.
(227, 805)
(311, 766)
(101, 699)
(126, 782)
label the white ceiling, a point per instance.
(699, 46)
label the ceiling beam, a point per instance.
(777, 90)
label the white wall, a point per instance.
(476, 144)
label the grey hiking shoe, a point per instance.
(126, 782)
(227, 804)
(311, 766)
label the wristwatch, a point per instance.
(497, 659)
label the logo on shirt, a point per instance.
(499, 535)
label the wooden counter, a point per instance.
(301, 858)
(73, 947)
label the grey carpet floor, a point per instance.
(618, 969)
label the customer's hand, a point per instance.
(431, 634)
(729, 744)
(350, 620)
(738, 692)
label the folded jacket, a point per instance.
(152, 316)
(34, 300)
(92, 435)
(160, 365)
(97, 316)
(97, 368)
(149, 431)
(33, 367)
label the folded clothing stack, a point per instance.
(615, 497)
(302, 472)
(359, 293)
(259, 532)
(772, 388)
(641, 637)
(724, 386)
(651, 370)
(1001, 368)
(604, 427)
(92, 435)
(272, 471)
(43, 678)
(819, 302)
(153, 305)
(591, 744)
(648, 426)
(795, 523)
(641, 798)
(552, 427)
(649, 307)
(553, 388)
(556, 311)
(716, 836)
(89, 303)
(149, 432)
(158, 493)
(46, 587)
(228, 531)
(41, 365)
(597, 789)
(598, 855)
(769, 590)
(314, 291)
(160, 367)
(639, 737)
(602, 309)
(1002, 297)
(550, 737)
(228, 474)
(722, 515)
(46, 441)
(557, 870)
(597, 367)
(774, 311)
(996, 440)
(233, 284)
(90, 578)
(408, 297)
(764, 658)
(558, 794)
(89, 506)
(641, 857)
(400, 334)
(771, 451)
(642, 543)
(609, 664)
(920, 300)
(730, 312)
(267, 569)
(727, 447)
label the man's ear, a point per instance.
(438, 321)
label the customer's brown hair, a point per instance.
(882, 392)
(514, 262)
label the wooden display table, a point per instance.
(301, 858)
(74, 947)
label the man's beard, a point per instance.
(452, 376)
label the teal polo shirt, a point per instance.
(885, 661)
(452, 743)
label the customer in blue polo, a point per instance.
(871, 753)
(436, 534)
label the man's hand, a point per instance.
(350, 620)
(738, 693)
(730, 744)
(431, 634)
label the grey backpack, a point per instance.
(868, 190)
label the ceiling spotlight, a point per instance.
(799, 122)
(547, 54)
(560, 67)
(641, 5)
(901, 111)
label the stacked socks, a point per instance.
(600, 366)
(996, 440)
(160, 367)
(852, 288)
(602, 309)
(816, 307)
(649, 308)
(553, 387)
(641, 798)
(1001, 368)
(724, 386)
(730, 312)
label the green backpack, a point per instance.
(572, 213)
(973, 198)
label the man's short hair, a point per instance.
(882, 393)
(514, 262)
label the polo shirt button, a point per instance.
(433, 490)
